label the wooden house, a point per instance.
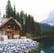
(10, 27)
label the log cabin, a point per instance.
(10, 27)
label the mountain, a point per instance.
(50, 19)
(45, 26)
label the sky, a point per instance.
(39, 9)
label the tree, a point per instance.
(14, 12)
(29, 24)
(25, 23)
(37, 28)
(32, 25)
(18, 16)
(21, 17)
(9, 10)
(52, 30)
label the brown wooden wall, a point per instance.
(10, 31)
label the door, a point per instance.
(9, 34)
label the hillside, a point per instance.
(45, 26)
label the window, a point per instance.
(11, 25)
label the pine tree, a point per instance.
(14, 12)
(21, 17)
(32, 25)
(18, 16)
(25, 23)
(9, 10)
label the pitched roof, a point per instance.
(2, 21)
(5, 20)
